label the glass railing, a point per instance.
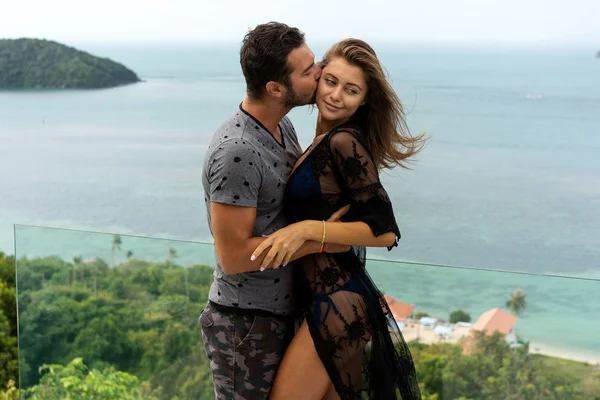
(115, 317)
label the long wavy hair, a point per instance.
(382, 116)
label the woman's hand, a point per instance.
(286, 241)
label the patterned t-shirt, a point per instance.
(245, 166)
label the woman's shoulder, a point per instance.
(347, 127)
(345, 135)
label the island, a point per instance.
(45, 64)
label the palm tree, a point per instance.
(95, 271)
(187, 289)
(82, 267)
(76, 266)
(129, 254)
(172, 254)
(116, 245)
(517, 303)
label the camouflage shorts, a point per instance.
(244, 352)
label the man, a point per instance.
(250, 319)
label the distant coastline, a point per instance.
(566, 354)
(45, 64)
(415, 331)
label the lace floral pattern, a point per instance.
(353, 329)
(353, 167)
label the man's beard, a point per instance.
(293, 99)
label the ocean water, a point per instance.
(509, 181)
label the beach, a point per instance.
(414, 331)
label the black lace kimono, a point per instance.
(354, 331)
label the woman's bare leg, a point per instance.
(301, 374)
(331, 393)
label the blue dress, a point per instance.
(355, 334)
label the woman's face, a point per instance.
(342, 89)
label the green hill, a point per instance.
(34, 63)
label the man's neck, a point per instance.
(268, 113)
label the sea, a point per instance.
(508, 186)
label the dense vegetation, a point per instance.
(33, 63)
(495, 371)
(130, 332)
(9, 368)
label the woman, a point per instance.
(360, 130)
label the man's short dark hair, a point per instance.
(264, 55)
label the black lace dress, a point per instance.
(354, 331)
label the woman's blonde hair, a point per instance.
(382, 117)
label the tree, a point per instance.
(103, 339)
(9, 367)
(517, 303)
(7, 269)
(34, 63)
(144, 324)
(8, 306)
(116, 245)
(76, 381)
(95, 278)
(76, 266)
(459, 316)
(172, 255)
(493, 371)
(420, 315)
(129, 254)
(11, 393)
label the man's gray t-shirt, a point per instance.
(245, 166)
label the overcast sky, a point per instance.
(440, 21)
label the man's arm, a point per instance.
(232, 228)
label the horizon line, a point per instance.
(232, 41)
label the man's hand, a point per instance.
(336, 216)
(286, 241)
(336, 248)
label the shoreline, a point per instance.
(414, 331)
(566, 354)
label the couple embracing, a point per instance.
(292, 311)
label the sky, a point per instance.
(562, 22)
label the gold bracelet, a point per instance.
(323, 238)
